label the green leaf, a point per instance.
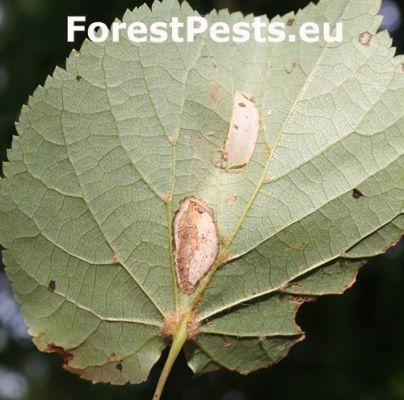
(109, 147)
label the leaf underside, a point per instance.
(109, 147)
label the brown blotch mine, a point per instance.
(356, 193)
(365, 38)
(119, 367)
(78, 78)
(195, 246)
(52, 286)
(290, 22)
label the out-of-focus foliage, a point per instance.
(354, 348)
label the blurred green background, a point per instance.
(354, 347)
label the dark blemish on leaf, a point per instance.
(52, 286)
(356, 194)
(365, 38)
(241, 105)
(235, 126)
(290, 22)
(78, 78)
(66, 356)
(226, 343)
(119, 367)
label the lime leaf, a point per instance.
(112, 147)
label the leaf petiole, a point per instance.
(179, 338)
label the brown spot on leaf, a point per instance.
(226, 343)
(232, 199)
(112, 357)
(241, 104)
(290, 22)
(196, 243)
(167, 198)
(356, 193)
(119, 367)
(215, 94)
(296, 246)
(78, 78)
(365, 38)
(116, 259)
(289, 70)
(66, 356)
(262, 338)
(51, 286)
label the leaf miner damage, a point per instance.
(196, 243)
(243, 133)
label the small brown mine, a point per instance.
(290, 22)
(243, 133)
(78, 78)
(365, 38)
(119, 367)
(195, 243)
(52, 286)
